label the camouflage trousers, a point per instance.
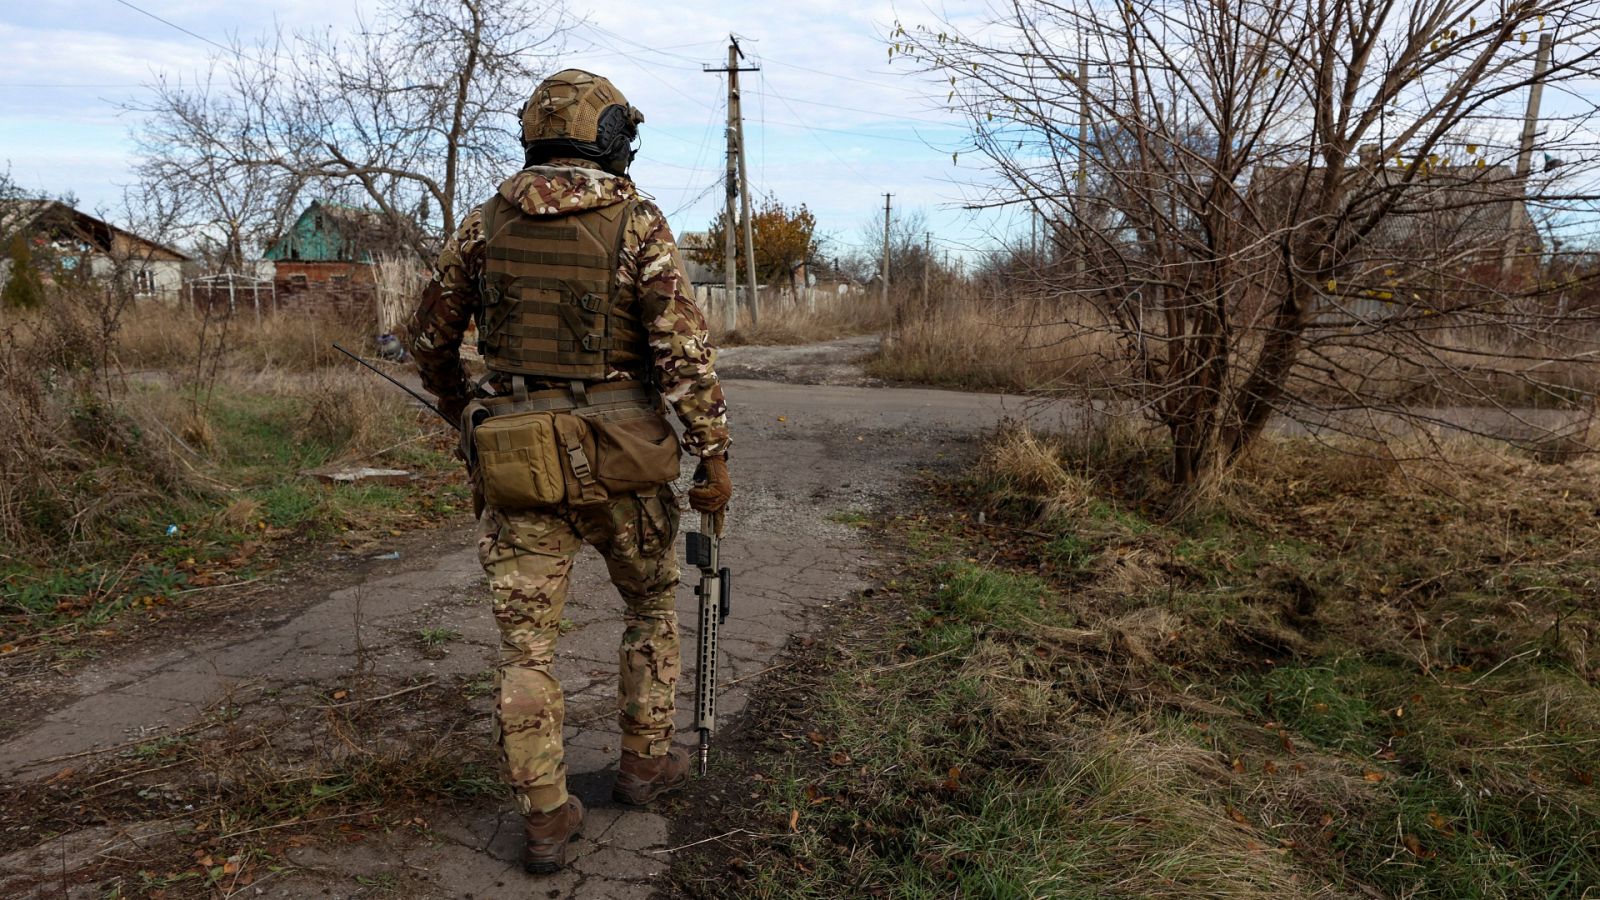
(528, 555)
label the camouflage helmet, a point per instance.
(574, 112)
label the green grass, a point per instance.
(854, 518)
(436, 638)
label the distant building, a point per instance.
(1469, 219)
(692, 243)
(332, 249)
(64, 241)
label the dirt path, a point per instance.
(805, 457)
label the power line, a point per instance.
(192, 34)
(842, 77)
(648, 49)
(698, 197)
(819, 140)
(873, 112)
(640, 66)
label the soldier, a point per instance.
(586, 324)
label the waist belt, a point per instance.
(598, 398)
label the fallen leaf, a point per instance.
(1440, 822)
(230, 867)
(1236, 815)
(340, 694)
(1416, 848)
(8, 648)
(1238, 765)
(813, 795)
(839, 758)
(1372, 776)
(816, 737)
(1584, 778)
(1269, 767)
(794, 820)
(62, 775)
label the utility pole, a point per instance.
(1530, 131)
(734, 177)
(927, 266)
(1530, 121)
(886, 248)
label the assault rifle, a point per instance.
(381, 374)
(716, 600)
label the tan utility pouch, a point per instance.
(519, 461)
(536, 459)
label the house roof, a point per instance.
(328, 232)
(53, 215)
(1459, 207)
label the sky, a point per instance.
(830, 122)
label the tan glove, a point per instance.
(712, 487)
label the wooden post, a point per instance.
(744, 202)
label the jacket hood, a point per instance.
(558, 190)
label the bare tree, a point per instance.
(1282, 206)
(192, 172)
(411, 113)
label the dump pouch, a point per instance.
(636, 453)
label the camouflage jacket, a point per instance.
(650, 273)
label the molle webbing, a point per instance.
(551, 308)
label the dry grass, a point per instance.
(786, 322)
(1023, 464)
(73, 459)
(1007, 346)
(999, 343)
(105, 473)
(1357, 674)
(224, 802)
(169, 338)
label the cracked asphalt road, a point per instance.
(813, 440)
(804, 454)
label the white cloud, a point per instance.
(817, 57)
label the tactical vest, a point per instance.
(550, 304)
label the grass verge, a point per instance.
(1355, 677)
(124, 491)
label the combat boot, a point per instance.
(641, 779)
(548, 834)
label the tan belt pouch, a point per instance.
(519, 464)
(537, 459)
